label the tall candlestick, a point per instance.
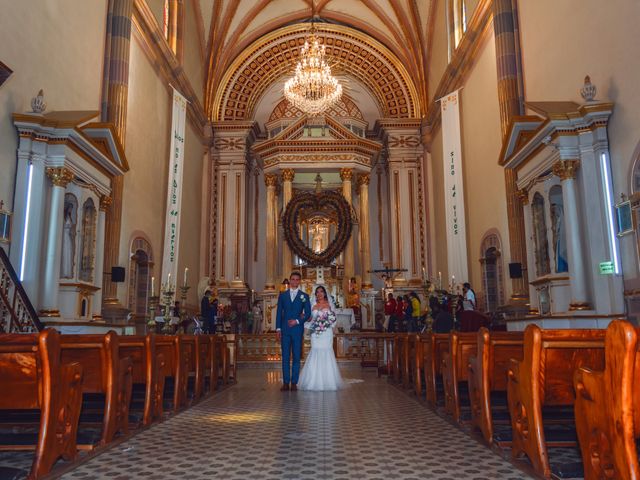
(439, 280)
(168, 281)
(153, 286)
(186, 270)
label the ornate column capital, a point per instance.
(523, 195)
(271, 179)
(105, 202)
(566, 169)
(288, 174)
(346, 174)
(363, 179)
(59, 176)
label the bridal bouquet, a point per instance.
(323, 322)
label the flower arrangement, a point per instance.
(323, 322)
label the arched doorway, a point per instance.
(140, 272)
(492, 274)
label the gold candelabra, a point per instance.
(183, 302)
(153, 305)
(168, 292)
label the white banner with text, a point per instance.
(454, 189)
(174, 190)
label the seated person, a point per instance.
(442, 319)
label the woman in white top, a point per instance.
(469, 298)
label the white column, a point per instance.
(566, 170)
(59, 177)
(96, 310)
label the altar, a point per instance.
(345, 318)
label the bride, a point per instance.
(320, 371)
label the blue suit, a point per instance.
(291, 337)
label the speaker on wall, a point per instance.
(515, 270)
(117, 274)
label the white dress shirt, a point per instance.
(293, 293)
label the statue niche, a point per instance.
(70, 220)
(88, 241)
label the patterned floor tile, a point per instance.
(370, 430)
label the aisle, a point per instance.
(254, 431)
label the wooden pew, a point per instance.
(543, 378)
(488, 375)
(195, 371)
(148, 373)
(105, 373)
(434, 345)
(33, 377)
(176, 370)
(418, 364)
(608, 408)
(455, 370)
(230, 363)
(214, 362)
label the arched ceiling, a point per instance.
(233, 25)
(272, 57)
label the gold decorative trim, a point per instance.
(396, 185)
(579, 306)
(237, 248)
(223, 222)
(105, 202)
(566, 169)
(49, 313)
(270, 179)
(256, 206)
(380, 223)
(59, 176)
(414, 263)
(288, 174)
(346, 174)
(269, 57)
(363, 179)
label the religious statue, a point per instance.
(559, 241)
(88, 241)
(68, 242)
(353, 297)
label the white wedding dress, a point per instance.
(320, 371)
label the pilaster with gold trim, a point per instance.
(346, 175)
(567, 171)
(270, 181)
(365, 241)
(60, 178)
(105, 204)
(288, 174)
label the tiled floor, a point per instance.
(254, 431)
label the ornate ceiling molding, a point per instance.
(345, 108)
(272, 57)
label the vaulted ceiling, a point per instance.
(233, 25)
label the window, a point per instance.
(140, 272)
(492, 275)
(457, 22)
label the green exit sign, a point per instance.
(606, 268)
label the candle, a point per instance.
(424, 275)
(168, 281)
(153, 286)
(440, 280)
(186, 270)
(453, 281)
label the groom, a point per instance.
(293, 310)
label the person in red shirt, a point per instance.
(389, 310)
(396, 318)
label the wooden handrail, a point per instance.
(17, 314)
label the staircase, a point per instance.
(17, 315)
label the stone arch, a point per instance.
(140, 272)
(493, 292)
(273, 56)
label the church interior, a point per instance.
(461, 178)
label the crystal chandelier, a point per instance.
(312, 89)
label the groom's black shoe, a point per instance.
(284, 387)
(294, 387)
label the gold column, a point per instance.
(271, 180)
(115, 92)
(365, 242)
(346, 174)
(288, 175)
(510, 97)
